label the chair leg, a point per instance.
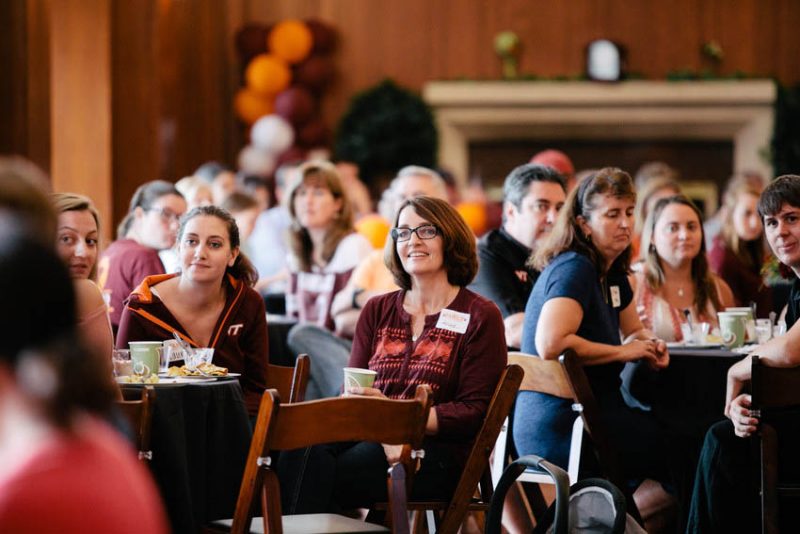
(533, 493)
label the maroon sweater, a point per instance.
(122, 267)
(462, 369)
(745, 281)
(239, 338)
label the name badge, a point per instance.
(454, 321)
(616, 300)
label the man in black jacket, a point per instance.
(532, 196)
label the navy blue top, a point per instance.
(572, 275)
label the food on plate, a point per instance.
(204, 369)
(138, 379)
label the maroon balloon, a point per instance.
(313, 133)
(251, 40)
(315, 72)
(292, 155)
(324, 36)
(296, 104)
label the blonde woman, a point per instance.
(738, 253)
(78, 244)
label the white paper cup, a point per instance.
(355, 377)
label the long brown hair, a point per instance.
(242, 268)
(581, 202)
(322, 174)
(705, 289)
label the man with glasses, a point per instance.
(532, 196)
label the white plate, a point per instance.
(682, 345)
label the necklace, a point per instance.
(680, 291)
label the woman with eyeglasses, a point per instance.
(151, 225)
(432, 331)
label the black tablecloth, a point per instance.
(200, 439)
(278, 331)
(689, 394)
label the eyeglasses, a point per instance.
(424, 231)
(166, 214)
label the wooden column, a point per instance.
(80, 101)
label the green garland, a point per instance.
(385, 128)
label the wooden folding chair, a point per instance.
(542, 376)
(138, 409)
(448, 516)
(290, 382)
(773, 389)
(590, 413)
(292, 426)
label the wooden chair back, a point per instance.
(138, 408)
(291, 426)
(542, 376)
(476, 472)
(290, 382)
(590, 412)
(773, 388)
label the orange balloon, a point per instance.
(374, 227)
(251, 106)
(267, 74)
(474, 214)
(290, 40)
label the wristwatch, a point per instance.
(356, 293)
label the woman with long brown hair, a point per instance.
(675, 276)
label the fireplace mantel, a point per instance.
(739, 111)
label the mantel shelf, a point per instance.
(638, 92)
(740, 111)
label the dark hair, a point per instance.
(238, 201)
(705, 289)
(459, 254)
(784, 189)
(210, 170)
(323, 174)
(252, 182)
(581, 202)
(38, 334)
(518, 181)
(144, 197)
(242, 269)
(23, 197)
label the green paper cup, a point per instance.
(145, 353)
(355, 377)
(732, 327)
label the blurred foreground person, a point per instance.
(63, 469)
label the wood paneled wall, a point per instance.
(174, 70)
(414, 41)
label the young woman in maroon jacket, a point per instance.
(433, 331)
(210, 303)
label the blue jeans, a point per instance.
(328, 353)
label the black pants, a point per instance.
(343, 476)
(725, 496)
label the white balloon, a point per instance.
(253, 160)
(272, 134)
